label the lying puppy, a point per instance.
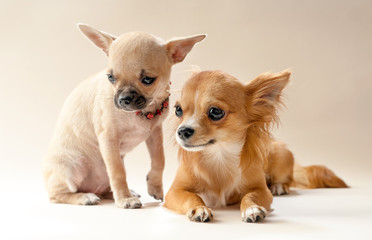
(227, 154)
(109, 114)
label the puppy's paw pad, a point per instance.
(279, 189)
(200, 214)
(90, 199)
(254, 214)
(131, 202)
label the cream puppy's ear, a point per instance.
(99, 38)
(179, 48)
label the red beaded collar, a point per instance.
(151, 115)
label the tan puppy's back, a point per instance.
(74, 147)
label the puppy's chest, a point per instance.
(134, 130)
(222, 175)
(131, 138)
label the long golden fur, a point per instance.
(227, 154)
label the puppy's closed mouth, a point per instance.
(200, 145)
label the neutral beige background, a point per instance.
(327, 44)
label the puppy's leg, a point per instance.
(257, 198)
(255, 204)
(154, 177)
(280, 169)
(75, 198)
(62, 183)
(109, 195)
(188, 203)
(110, 151)
(182, 199)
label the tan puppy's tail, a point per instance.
(316, 176)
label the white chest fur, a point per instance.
(222, 160)
(134, 129)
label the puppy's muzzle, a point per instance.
(130, 100)
(184, 139)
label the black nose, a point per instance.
(127, 99)
(185, 132)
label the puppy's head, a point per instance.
(139, 65)
(216, 108)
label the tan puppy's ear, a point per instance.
(179, 48)
(99, 38)
(264, 95)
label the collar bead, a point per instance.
(158, 112)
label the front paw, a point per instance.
(200, 214)
(253, 214)
(130, 202)
(155, 187)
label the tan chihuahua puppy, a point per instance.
(109, 114)
(227, 154)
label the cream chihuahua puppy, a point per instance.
(109, 114)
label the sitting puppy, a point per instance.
(109, 114)
(227, 154)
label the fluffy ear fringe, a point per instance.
(264, 95)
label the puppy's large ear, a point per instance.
(99, 38)
(264, 95)
(179, 48)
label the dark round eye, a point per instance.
(216, 114)
(148, 80)
(111, 78)
(178, 111)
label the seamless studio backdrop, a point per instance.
(327, 45)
